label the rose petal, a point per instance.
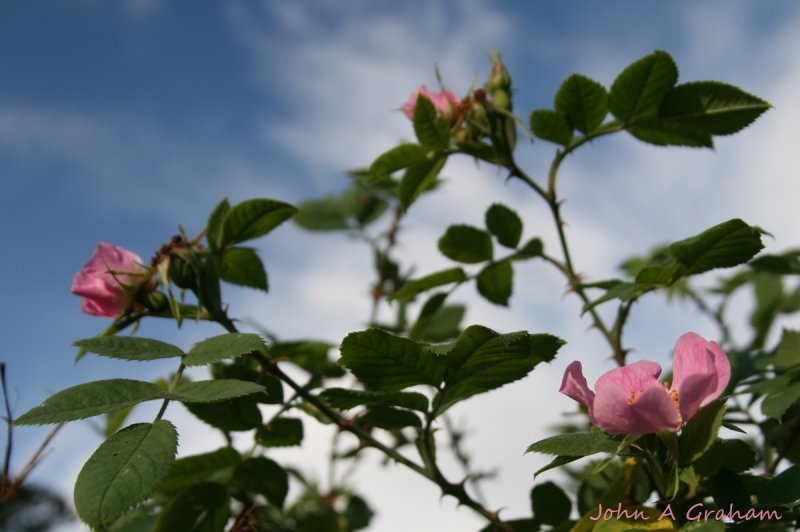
(701, 372)
(636, 376)
(616, 412)
(694, 392)
(574, 385)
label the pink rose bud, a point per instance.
(445, 102)
(631, 400)
(105, 280)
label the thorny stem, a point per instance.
(9, 433)
(461, 456)
(365, 437)
(6, 494)
(566, 267)
(7, 487)
(391, 241)
(550, 196)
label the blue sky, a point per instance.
(120, 120)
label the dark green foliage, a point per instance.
(467, 244)
(551, 125)
(91, 399)
(281, 432)
(495, 282)
(241, 266)
(583, 101)
(129, 347)
(550, 504)
(202, 507)
(124, 470)
(263, 476)
(504, 224)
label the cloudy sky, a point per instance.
(120, 120)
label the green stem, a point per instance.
(171, 389)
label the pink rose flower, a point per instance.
(103, 280)
(445, 102)
(631, 400)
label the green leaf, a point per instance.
(364, 204)
(253, 218)
(639, 90)
(432, 131)
(128, 347)
(203, 507)
(207, 281)
(780, 399)
(387, 362)
(324, 214)
(769, 296)
(263, 476)
(241, 266)
(712, 107)
(584, 102)
(504, 224)
(494, 282)
(549, 503)
(274, 388)
(787, 263)
(670, 133)
(140, 519)
(418, 178)
(787, 354)
(558, 461)
(124, 471)
(224, 346)
(214, 226)
(358, 513)
(482, 360)
(215, 390)
(725, 245)
(216, 466)
(729, 491)
(281, 432)
(733, 455)
(467, 244)
(437, 322)
(575, 444)
(397, 158)
(114, 421)
(91, 399)
(728, 244)
(345, 399)
(233, 415)
(615, 290)
(310, 355)
(784, 489)
(385, 417)
(481, 151)
(411, 289)
(531, 249)
(444, 325)
(700, 432)
(551, 125)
